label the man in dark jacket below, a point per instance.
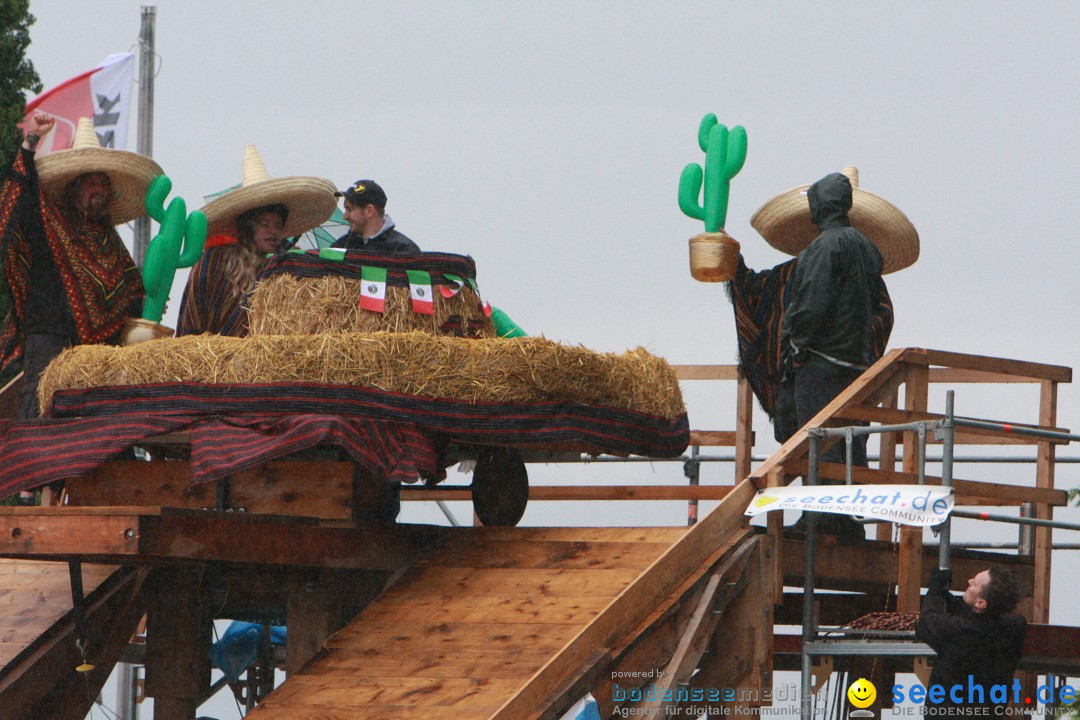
(826, 336)
(977, 638)
(370, 229)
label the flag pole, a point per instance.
(146, 117)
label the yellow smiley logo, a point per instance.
(862, 693)
(764, 500)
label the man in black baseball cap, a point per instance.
(371, 230)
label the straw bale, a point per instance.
(528, 369)
(285, 304)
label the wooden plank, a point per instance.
(46, 533)
(964, 436)
(385, 661)
(298, 488)
(178, 630)
(243, 538)
(955, 376)
(417, 693)
(878, 378)
(132, 482)
(1022, 368)
(909, 570)
(1044, 478)
(385, 712)
(581, 492)
(493, 535)
(39, 684)
(363, 635)
(547, 554)
(633, 604)
(713, 438)
(117, 534)
(968, 492)
(744, 429)
(528, 583)
(706, 372)
(877, 565)
(706, 616)
(400, 606)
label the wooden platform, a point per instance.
(470, 624)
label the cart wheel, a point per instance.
(500, 485)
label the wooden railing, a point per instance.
(875, 397)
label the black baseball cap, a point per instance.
(364, 192)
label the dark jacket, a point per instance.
(837, 283)
(986, 647)
(388, 242)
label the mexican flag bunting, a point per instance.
(449, 292)
(372, 288)
(420, 292)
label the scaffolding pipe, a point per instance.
(993, 517)
(947, 437)
(808, 629)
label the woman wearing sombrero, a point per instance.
(71, 279)
(244, 226)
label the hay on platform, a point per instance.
(415, 363)
(289, 305)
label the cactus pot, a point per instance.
(713, 257)
(137, 330)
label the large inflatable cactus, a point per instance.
(178, 244)
(725, 153)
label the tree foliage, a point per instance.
(17, 74)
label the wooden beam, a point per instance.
(714, 599)
(1044, 479)
(130, 535)
(706, 372)
(1021, 368)
(715, 438)
(722, 526)
(42, 682)
(964, 436)
(968, 492)
(878, 378)
(583, 492)
(954, 376)
(916, 379)
(744, 429)
(178, 629)
(277, 488)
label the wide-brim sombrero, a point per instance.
(309, 200)
(784, 222)
(130, 174)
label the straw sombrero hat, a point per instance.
(309, 200)
(130, 174)
(785, 224)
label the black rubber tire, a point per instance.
(500, 487)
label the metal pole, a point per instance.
(1027, 532)
(126, 707)
(947, 437)
(808, 624)
(1015, 520)
(145, 140)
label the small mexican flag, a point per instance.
(420, 292)
(448, 291)
(372, 288)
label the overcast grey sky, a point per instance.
(546, 139)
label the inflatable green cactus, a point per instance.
(178, 244)
(725, 153)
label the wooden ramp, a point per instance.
(38, 633)
(499, 622)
